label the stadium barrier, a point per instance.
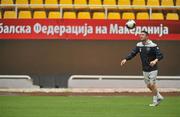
(16, 81)
(105, 81)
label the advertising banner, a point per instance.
(90, 29)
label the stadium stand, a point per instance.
(157, 16)
(7, 2)
(114, 15)
(38, 2)
(9, 15)
(25, 15)
(54, 15)
(139, 3)
(98, 15)
(124, 2)
(110, 2)
(39, 15)
(0, 15)
(69, 15)
(49, 4)
(80, 2)
(128, 15)
(177, 2)
(142, 16)
(167, 3)
(84, 15)
(22, 2)
(66, 2)
(55, 9)
(172, 16)
(153, 3)
(95, 2)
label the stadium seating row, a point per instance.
(92, 2)
(87, 15)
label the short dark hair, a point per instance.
(144, 31)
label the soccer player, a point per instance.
(150, 55)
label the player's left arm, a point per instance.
(159, 56)
(131, 55)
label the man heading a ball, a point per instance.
(150, 55)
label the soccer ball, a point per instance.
(130, 24)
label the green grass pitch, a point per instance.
(81, 106)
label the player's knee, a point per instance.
(150, 85)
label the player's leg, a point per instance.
(153, 85)
(157, 97)
(154, 100)
(150, 80)
(149, 87)
(153, 76)
(147, 80)
(156, 92)
(148, 84)
(153, 88)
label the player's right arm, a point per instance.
(130, 55)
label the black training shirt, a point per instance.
(148, 52)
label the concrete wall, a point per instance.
(40, 58)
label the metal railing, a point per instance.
(15, 77)
(126, 81)
(109, 77)
(106, 8)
